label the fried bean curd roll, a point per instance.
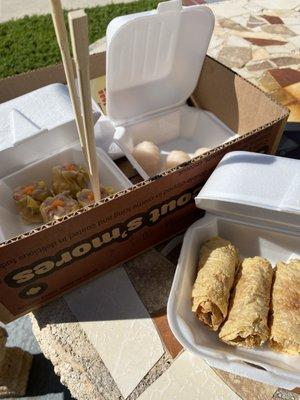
(218, 262)
(285, 308)
(69, 178)
(58, 206)
(28, 199)
(247, 322)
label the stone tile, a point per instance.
(293, 20)
(295, 41)
(259, 53)
(215, 42)
(152, 275)
(282, 97)
(288, 49)
(272, 19)
(237, 41)
(253, 7)
(278, 4)
(280, 12)
(229, 24)
(285, 76)
(230, 8)
(245, 388)
(295, 112)
(267, 82)
(169, 340)
(118, 326)
(235, 56)
(265, 42)
(260, 66)
(285, 61)
(254, 22)
(257, 33)
(189, 377)
(282, 394)
(295, 29)
(278, 30)
(293, 90)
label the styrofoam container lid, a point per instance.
(255, 186)
(154, 59)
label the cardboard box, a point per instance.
(46, 262)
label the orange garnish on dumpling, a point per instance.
(70, 167)
(57, 203)
(90, 196)
(28, 189)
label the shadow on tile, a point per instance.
(43, 380)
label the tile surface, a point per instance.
(189, 377)
(118, 325)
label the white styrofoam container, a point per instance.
(184, 128)
(153, 62)
(11, 223)
(254, 201)
(35, 125)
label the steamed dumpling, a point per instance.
(201, 151)
(175, 158)
(147, 154)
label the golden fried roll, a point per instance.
(285, 308)
(247, 322)
(218, 262)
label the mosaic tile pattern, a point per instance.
(260, 40)
(66, 330)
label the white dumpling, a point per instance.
(201, 151)
(175, 158)
(147, 154)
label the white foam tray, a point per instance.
(11, 223)
(36, 124)
(263, 364)
(183, 128)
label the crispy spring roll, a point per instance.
(247, 323)
(285, 308)
(218, 262)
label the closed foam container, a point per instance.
(253, 200)
(152, 67)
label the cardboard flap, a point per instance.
(154, 59)
(254, 185)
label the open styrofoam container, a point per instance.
(36, 124)
(11, 223)
(253, 200)
(153, 63)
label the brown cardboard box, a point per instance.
(44, 263)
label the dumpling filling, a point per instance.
(69, 178)
(28, 199)
(58, 206)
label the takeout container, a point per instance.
(253, 201)
(36, 124)
(11, 222)
(150, 80)
(46, 262)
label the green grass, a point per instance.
(30, 42)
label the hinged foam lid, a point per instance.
(255, 186)
(154, 59)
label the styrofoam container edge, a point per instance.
(263, 364)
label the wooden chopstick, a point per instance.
(80, 45)
(62, 39)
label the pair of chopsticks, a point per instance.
(82, 107)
